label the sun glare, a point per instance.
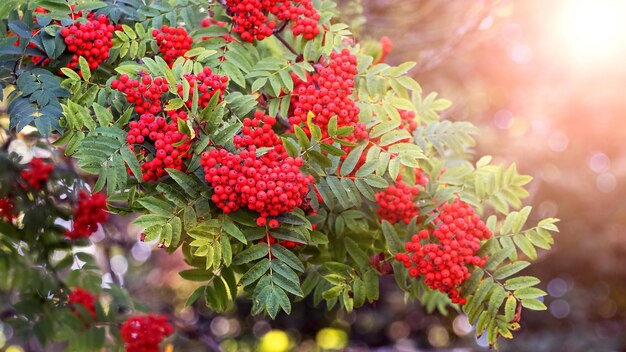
(594, 31)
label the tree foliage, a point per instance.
(229, 254)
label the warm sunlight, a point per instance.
(594, 31)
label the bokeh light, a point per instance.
(332, 339)
(274, 341)
(593, 31)
(559, 308)
(438, 336)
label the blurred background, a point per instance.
(546, 83)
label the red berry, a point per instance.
(78, 296)
(90, 211)
(91, 40)
(37, 173)
(443, 254)
(270, 184)
(142, 333)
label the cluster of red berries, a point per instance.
(209, 84)
(421, 178)
(144, 333)
(172, 42)
(269, 184)
(397, 203)
(443, 254)
(171, 146)
(250, 17)
(92, 40)
(79, 296)
(37, 173)
(208, 22)
(409, 122)
(7, 209)
(327, 93)
(90, 211)
(145, 93)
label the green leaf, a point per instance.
(186, 182)
(103, 115)
(332, 292)
(498, 257)
(148, 220)
(365, 189)
(358, 292)
(376, 181)
(226, 134)
(174, 104)
(526, 246)
(470, 285)
(533, 304)
(359, 257)
(549, 224)
(351, 160)
(252, 253)
(84, 68)
(509, 308)
(316, 131)
(255, 273)
(391, 237)
(288, 285)
(288, 257)
(157, 206)
(371, 285)
(529, 293)
(301, 137)
(285, 271)
(70, 73)
(131, 160)
(510, 269)
(339, 191)
(347, 301)
(481, 293)
(166, 234)
(234, 231)
(520, 282)
(495, 301)
(196, 275)
(520, 219)
(177, 229)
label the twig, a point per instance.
(286, 44)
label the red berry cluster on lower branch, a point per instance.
(327, 93)
(79, 296)
(251, 17)
(90, 211)
(443, 255)
(37, 173)
(144, 333)
(7, 209)
(92, 40)
(269, 184)
(172, 42)
(397, 203)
